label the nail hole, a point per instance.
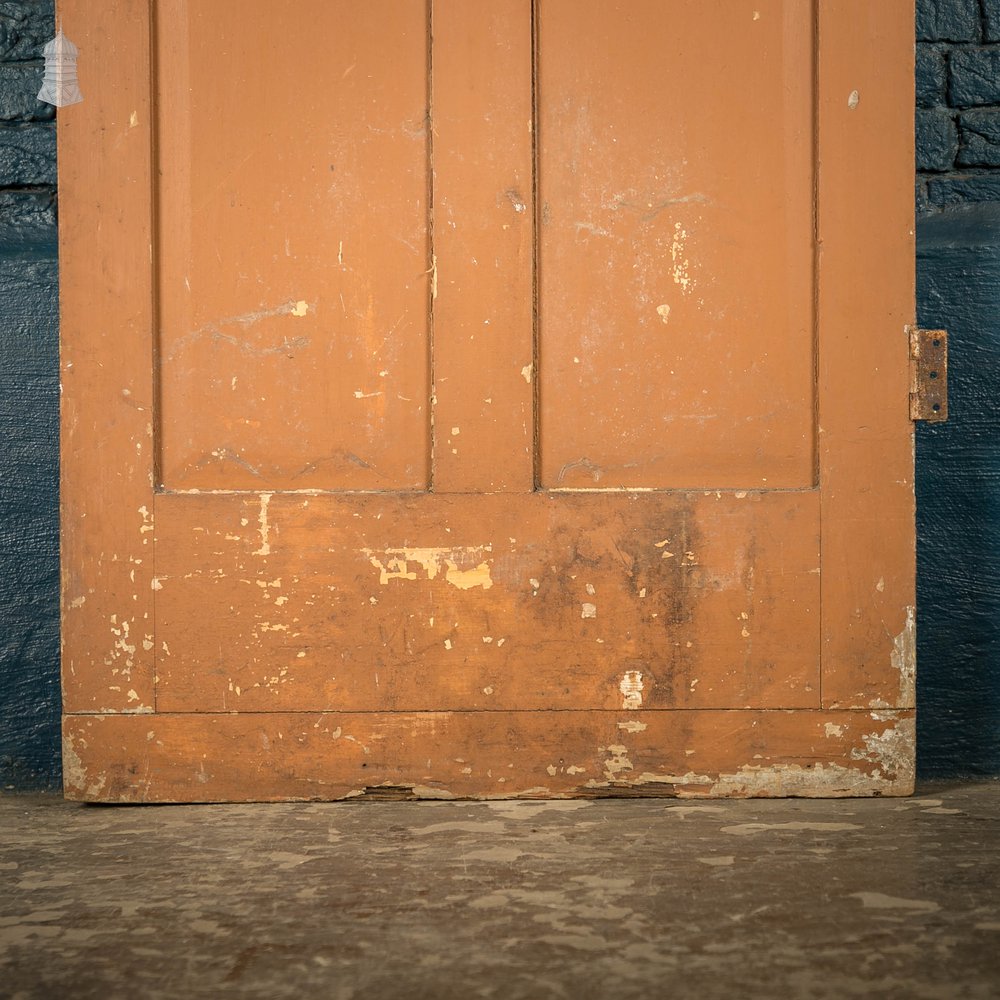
(933, 374)
(936, 407)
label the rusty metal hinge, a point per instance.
(928, 374)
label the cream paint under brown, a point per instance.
(500, 399)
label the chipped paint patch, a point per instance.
(526, 373)
(681, 267)
(631, 688)
(466, 579)
(427, 792)
(632, 726)
(394, 564)
(264, 526)
(904, 659)
(301, 308)
(832, 729)
(891, 751)
(616, 762)
(663, 312)
(588, 610)
(76, 778)
(889, 756)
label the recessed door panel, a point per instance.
(293, 244)
(676, 218)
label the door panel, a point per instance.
(529, 602)
(294, 247)
(405, 454)
(676, 274)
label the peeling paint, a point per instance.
(904, 659)
(892, 751)
(681, 267)
(265, 544)
(75, 774)
(394, 564)
(616, 762)
(632, 726)
(631, 688)
(466, 579)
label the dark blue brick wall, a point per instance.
(29, 409)
(958, 463)
(958, 102)
(958, 499)
(958, 477)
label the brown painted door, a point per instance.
(487, 399)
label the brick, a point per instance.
(932, 76)
(27, 155)
(26, 217)
(947, 20)
(991, 20)
(25, 26)
(959, 189)
(19, 84)
(979, 134)
(974, 76)
(937, 140)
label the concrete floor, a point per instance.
(583, 899)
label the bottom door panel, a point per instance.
(290, 602)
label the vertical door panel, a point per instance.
(293, 244)
(866, 444)
(675, 272)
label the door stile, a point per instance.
(105, 175)
(865, 220)
(483, 239)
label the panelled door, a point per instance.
(487, 399)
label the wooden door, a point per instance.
(487, 399)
